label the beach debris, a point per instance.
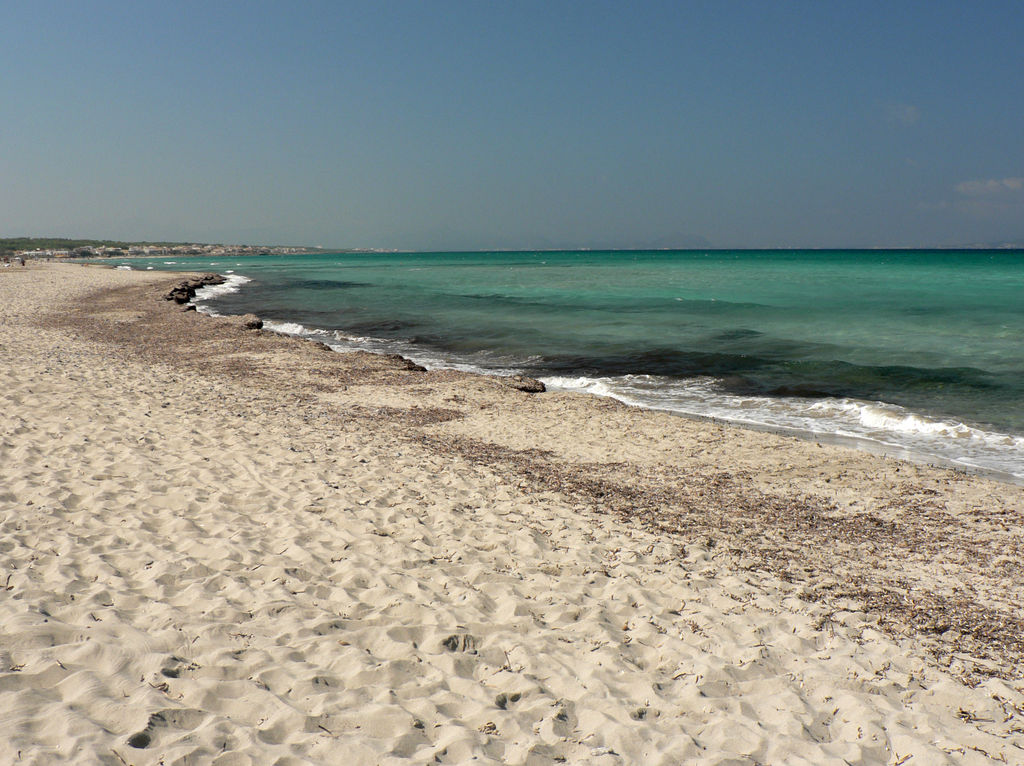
(252, 322)
(460, 642)
(504, 700)
(140, 740)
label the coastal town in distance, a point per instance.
(35, 247)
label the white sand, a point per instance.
(195, 572)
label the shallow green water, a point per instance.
(917, 349)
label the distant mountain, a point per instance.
(1018, 245)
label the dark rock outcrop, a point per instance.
(244, 322)
(399, 362)
(523, 383)
(185, 291)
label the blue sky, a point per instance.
(466, 125)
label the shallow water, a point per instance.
(919, 351)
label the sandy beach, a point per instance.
(222, 545)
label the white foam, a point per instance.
(293, 328)
(123, 268)
(232, 285)
(876, 426)
(891, 418)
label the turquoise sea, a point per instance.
(912, 353)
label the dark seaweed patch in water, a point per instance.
(752, 374)
(740, 333)
(381, 326)
(658, 361)
(977, 393)
(324, 284)
(982, 398)
(434, 341)
(798, 390)
(841, 379)
(511, 300)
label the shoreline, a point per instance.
(844, 454)
(874, 446)
(863, 444)
(467, 569)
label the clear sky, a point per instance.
(472, 125)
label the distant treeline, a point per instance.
(12, 244)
